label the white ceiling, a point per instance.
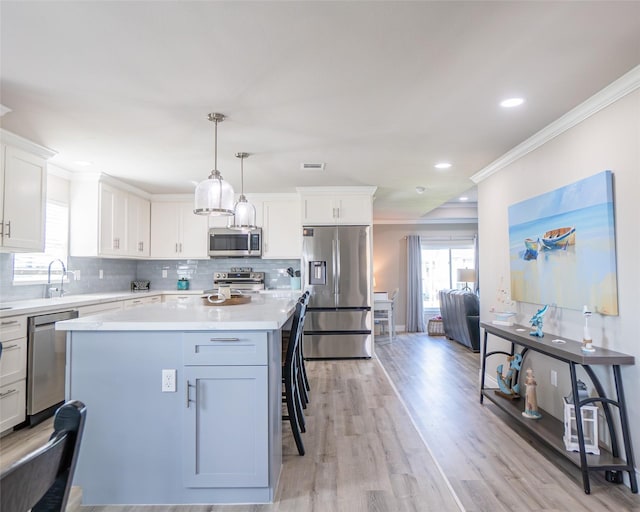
(379, 91)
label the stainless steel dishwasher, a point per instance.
(46, 361)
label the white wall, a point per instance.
(610, 139)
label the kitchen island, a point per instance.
(183, 401)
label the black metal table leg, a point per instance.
(625, 428)
(576, 407)
(484, 365)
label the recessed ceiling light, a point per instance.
(83, 163)
(512, 102)
(442, 165)
(420, 190)
(463, 198)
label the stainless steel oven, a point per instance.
(232, 243)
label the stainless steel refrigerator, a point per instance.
(337, 270)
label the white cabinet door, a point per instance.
(164, 230)
(24, 185)
(226, 442)
(194, 229)
(113, 221)
(138, 226)
(340, 209)
(176, 232)
(282, 229)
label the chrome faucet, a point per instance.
(50, 289)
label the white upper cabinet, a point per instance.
(139, 232)
(337, 205)
(281, 229)
(176, 232)
(106, 219)
(23, 190)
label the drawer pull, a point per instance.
(187, 387)
(9, 347)
(7, 393)
(224, 339)
(9, 322)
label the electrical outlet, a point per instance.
(164, 273)
(76, 275)
(100, 274)
(554, 378)
(169, 381)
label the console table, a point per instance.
(550, 429)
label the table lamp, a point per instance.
(466, 276)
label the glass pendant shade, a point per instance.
(214, 196)
(244, 213)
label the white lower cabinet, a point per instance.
(13, 402)
(13, 371)
(225, 440)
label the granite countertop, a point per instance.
(264, 312)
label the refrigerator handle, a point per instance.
(334, 257)
(337, 267)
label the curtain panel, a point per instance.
(415, 315)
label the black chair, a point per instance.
(290, 378)
(41, 481)
(304, 381)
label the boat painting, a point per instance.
(562, 247)
(559, 238)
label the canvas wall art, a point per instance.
(562, 247)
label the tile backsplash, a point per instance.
(117, 274)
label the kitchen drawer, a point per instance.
(13, 363)
(13, 404)
(13, 327)
(133, 303)
(224, 348)
(96, 309)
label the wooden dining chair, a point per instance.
(41, 480)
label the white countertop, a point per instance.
(43, 306)
(264, 312)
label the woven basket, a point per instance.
(435, 327)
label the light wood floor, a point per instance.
(490, 466)
(363, 452)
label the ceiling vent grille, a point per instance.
(312, 166)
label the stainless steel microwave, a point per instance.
(232, 243)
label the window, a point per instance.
(31, 268)
(440, 263)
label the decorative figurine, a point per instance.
(536, 321)
(509, 388)
(586, 336)
(530, 399)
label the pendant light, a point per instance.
(244, 213)
(214, 196)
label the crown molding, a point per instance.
(624, 85)
(11, 139)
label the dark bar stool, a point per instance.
(41, 481)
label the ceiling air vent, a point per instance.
(312, 166)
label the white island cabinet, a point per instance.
(214, 436)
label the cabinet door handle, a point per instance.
(176, 246)
(9, 322)
(9, 347)
(187, 387)
(8, 233)
(224, 339)
(7, 393)
(180, 246)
